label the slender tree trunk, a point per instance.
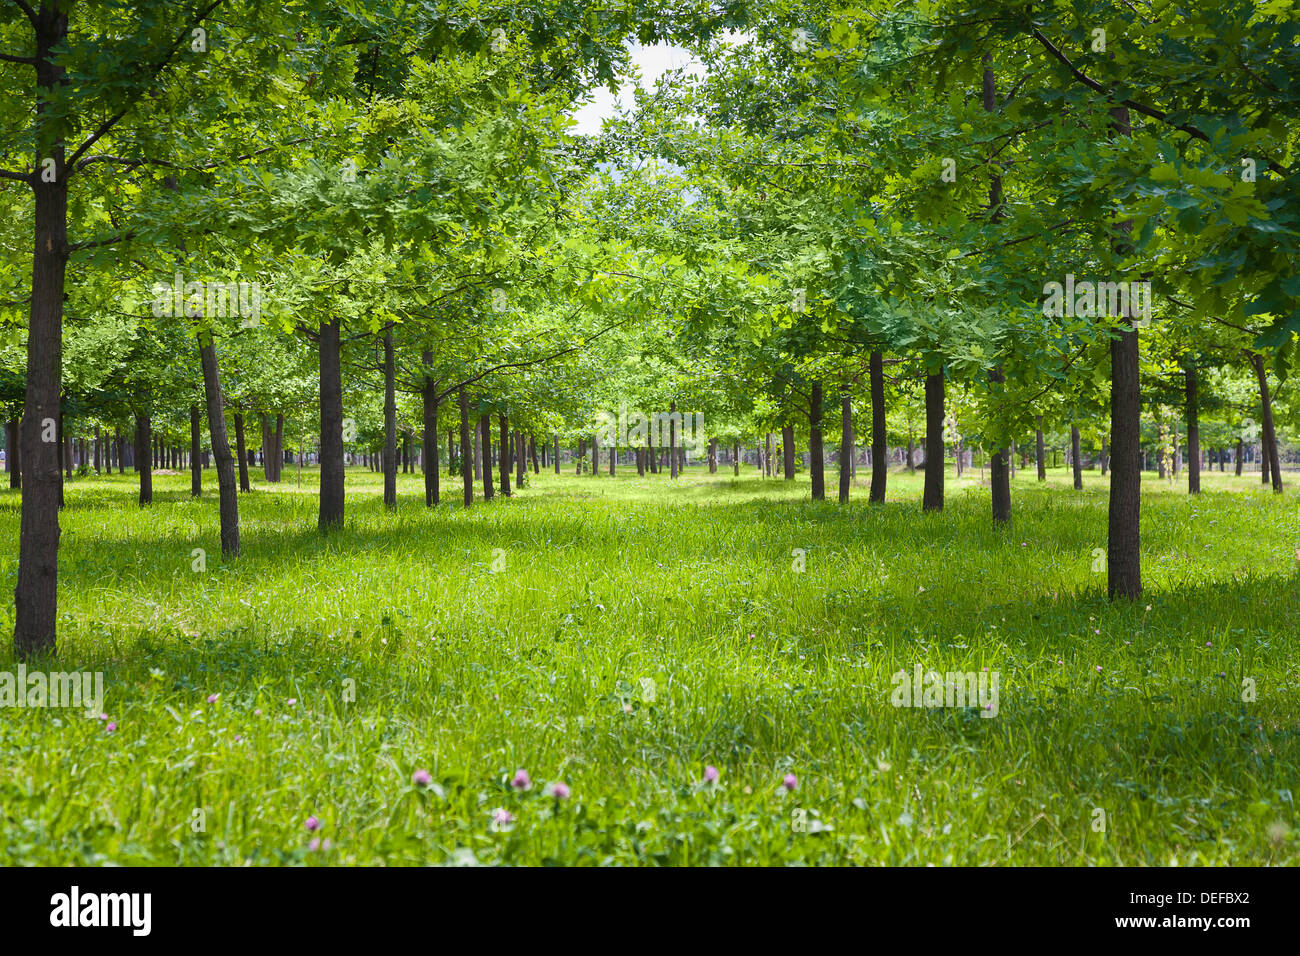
(478, 449)
(846, 446)
(1000, 470)
(15, 459)
(485, 440)
(143, 441)
(1193, 432)
(1268, 436)
(1075, 458)
(735, 460)
(331, 511)
(241, 452)
(532, 451)
(1240, 454)
(1123, 547)
(816, 449)
(932, 500)
(504, 422)
(555, 439)
(390, 422)
(787, 451)
(467, 475)
(672, 439)
(431, 443)
(227, 489)
(521, 459)
(595, 456)
(650, 453)
(1040, 451)
(879, 448)
(196, 445)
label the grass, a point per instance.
(343, 665)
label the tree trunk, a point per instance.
(1123, 545)
(672, 438)
(532, 451)
(846, 446)
(390, 422)
(143, 441)
(932, 500)
(713, 456)
(555, 449)
(816, 449)
(1268, 436)
(196, 445)
(787, 451)
(466, 474)
(505, 454)
(485, 444)
(1040, 451)
(735, 460)
(227, 489)
(14, 460)
(1193, 432)
(241, 452)
(879, 449)
(431, 443)
(1075, 458)
(331, 431)
(1241, 451)
(1000, 470)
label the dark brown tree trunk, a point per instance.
(555, 439)
(1241, 452)
(15, 459)
(143, 442)
(241, 452)
(816, 448)
(330, 514)
(1268, 437)
(932, 499)
(672, 439)
(227, 489)
(431, 443)
(521, 459)
(1193, 431)
(485, 445)
(1040, 451)
(787, 451)
(879, 436)
(467, 476)
(120, 444)
(1000, 470)
(196, 460)
(846, 446)
(595, 456)
(390, 422)
(504, 423)
(1124, 543)
(1076, 460)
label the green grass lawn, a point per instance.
(620, 636)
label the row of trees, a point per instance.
(369, 222)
